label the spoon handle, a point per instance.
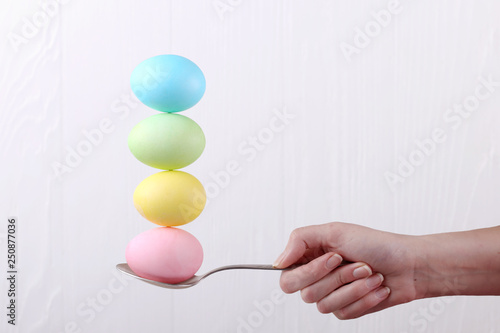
(253, 266)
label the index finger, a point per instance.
(302, 239)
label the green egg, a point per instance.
(167, 141)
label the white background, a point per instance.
(355, 118)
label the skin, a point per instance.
(395, 268)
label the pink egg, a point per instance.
(164, 254)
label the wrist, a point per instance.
(458, 263)
(433, 274)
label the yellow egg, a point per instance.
(170, 198)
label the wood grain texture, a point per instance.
(350, 123)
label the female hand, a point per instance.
(383, 262)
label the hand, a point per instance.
(349, 291)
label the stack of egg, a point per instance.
(167, 141)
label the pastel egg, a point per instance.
(168, 255)
(168, 83)
(167, 141)
(170, 198)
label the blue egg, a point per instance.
(168, 83)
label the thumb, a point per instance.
(302, 239)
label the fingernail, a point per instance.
(278, 261)
(362, 272)
(374, 280)
(333, 261)
(383, 292)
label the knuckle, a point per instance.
(296, 233)
(342, 315)
(285, 286)
(307, 295)
(339, 278)
(339, 314)
(335, 230)
(323, 307)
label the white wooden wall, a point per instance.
(357, 103)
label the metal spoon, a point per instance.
(124, 268)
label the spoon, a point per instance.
(124, 268)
